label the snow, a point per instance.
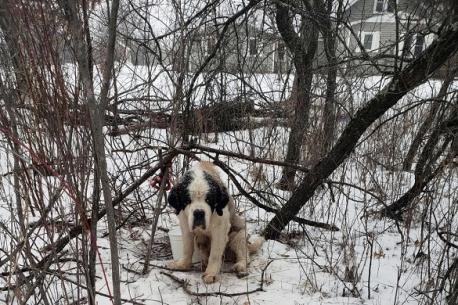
(309, 271)
(309, 268)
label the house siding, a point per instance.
(363, 18)
(361, 10)
(364, 9)
(387, 33)
(386, 45)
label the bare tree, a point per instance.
(330, 30)
(302, 47)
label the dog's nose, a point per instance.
(199, 214)
(199, 219)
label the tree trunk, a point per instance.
(298, 128)
(302, 48)
(97, 116)
(93, 237)
(329, 112)
(92, 272)
(411, 76)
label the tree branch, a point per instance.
(411, 76)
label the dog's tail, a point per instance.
(255, 245)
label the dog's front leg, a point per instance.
(219, 240)
(188, 245)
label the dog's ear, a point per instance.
(174, 201)
(217, 196)
(223, 200)
(178, 198)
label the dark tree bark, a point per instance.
(92, 272)
(411, 76)
(302, 48)
(93, 238)
(329, 32)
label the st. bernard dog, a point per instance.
(208, 219)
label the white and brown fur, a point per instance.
(220, 229)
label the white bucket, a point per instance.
(176, 243)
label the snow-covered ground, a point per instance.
(310, 268)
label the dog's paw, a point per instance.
(209, 278)
(240, 267)
(179, 265)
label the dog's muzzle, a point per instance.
(198, 219)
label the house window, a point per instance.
(413, 45)
(419, 45)
(367, 43)
(253, 47)
(391, 6)
(382, 6)
(379, 6)
(369, 40)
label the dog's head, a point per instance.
(199, 195)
